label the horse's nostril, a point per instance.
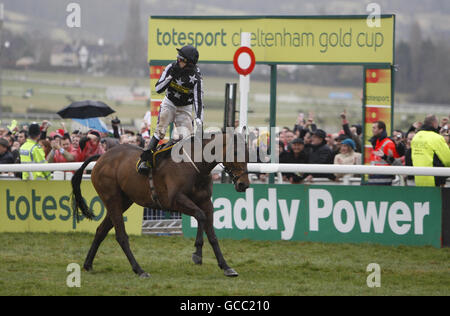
(242, 186)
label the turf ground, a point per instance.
(35, 264)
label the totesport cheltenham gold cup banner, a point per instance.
(45, 206)
(275, 39)
(285, 40)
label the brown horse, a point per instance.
(184, 187)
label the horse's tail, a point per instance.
(78, 203)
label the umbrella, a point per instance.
(93, 123)
(86, 109)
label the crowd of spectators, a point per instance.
(62, 145)
(305, 143)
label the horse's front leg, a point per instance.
(197, 255)
(185, 205)
(204, 217)
(208, 208)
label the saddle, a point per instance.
(162, 152)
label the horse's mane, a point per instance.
(207, 137)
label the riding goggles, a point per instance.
(181, 58)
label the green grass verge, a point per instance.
(35, 264)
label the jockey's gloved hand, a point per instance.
(199, 123)
(175, 71)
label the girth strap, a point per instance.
(154, 195)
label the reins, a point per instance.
(230, 171)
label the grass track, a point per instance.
(35, 264)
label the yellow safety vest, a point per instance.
(424, 146)
(31, 152)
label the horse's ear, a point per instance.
(240, 131)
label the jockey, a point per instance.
(182, 82)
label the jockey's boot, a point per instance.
(147, 157)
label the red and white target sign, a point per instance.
(244, 60)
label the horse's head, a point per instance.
(237, 149)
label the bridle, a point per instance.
(230, 172)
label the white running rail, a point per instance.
(262, 168)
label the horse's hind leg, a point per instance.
(100, 235)
(122, 239)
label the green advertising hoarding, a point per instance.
(350, 214)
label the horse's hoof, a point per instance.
(230, 273)
(144, 275)
(87, 268)
(197, 259)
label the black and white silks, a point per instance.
(183, 86)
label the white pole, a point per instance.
(244, 87)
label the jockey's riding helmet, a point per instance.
(190, 53)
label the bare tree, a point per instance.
(134, 43)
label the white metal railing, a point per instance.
(173, 226)
(70, 166)
(262, 168)
(349, 169)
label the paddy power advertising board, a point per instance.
(45, 206)
(382, 215)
